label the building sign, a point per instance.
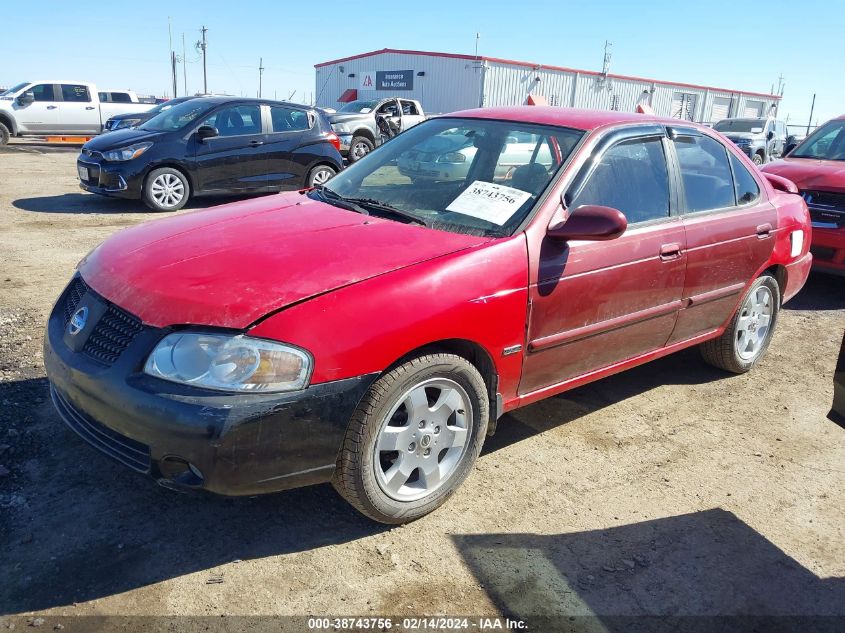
(395, 80)
(367, 81)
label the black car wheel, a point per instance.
(359, 147)
(166, 189)
(757, 159)
(320, 175)
(4, 134)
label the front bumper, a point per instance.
(185, 437)
(108, 179)
(828, 248)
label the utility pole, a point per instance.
(173, 71)
(260, 74)
(203, 46)
(812, 107)
(184, 66)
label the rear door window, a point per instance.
(289, 119)
(747, 189)
(705, 172)
(75, 93)
(632, 177)
(409, 108)
(236, 120)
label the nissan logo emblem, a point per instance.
(78, 321)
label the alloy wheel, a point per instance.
(755, 322)
(167, 190)
(422, 439)
(322, 176)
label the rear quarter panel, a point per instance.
(478, 295)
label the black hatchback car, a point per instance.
(212, 145)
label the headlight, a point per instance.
(452, 157)
(229, 362)
(124, 123)
(340, 128)
(126, 153)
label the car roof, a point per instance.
(220, 100)
(568, 117)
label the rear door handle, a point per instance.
(90, 108)
(764, 231)
(52, 107)
(256, 143)
(670, 251)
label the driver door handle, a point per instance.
(256, 143)
(670, 251)
(52, 107)
(89, 108)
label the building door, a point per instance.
(683, 106)
(721, 109)
(753, 110)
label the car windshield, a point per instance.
(826, 143)
(473, 176)
(178, 116)
(11, 91)
(740, 125)
(361, 107)
(161, 107)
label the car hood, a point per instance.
(810, 173)
(745, 136)
(231, 265)
(120, 138)
(346, 117)
(144, 116)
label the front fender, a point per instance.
(478, 295)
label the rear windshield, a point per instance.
(740, 125)
(361, 107)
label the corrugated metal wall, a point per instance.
(453, 84)
(448, 84)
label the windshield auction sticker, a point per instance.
(488, 201)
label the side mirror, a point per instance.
(770, 135)
(26, 98)
(791, 144)
(589, 222)
(206, 131)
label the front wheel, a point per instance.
(4, 134)
(166, 189)
(757, 159)
(413, 438)
(359, 147)
(748, 336)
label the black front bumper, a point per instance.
(119, 180)
(185, 437)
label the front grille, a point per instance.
(76, 290)
(826, 208)
(112, 334)
(127, 451)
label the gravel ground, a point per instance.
(671, 489)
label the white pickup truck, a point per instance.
(61, 107)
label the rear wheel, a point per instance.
(320, 175)
(414, 438)
(359, 147)
(166, 189)
(4, 134)
(757, 159)
(747, 337)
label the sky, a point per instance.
(739, 44)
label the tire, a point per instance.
(359, 147)
(757, 159)
(166, 189)
(4, 134)
(742, 344)
(319, 175)
(397, 486)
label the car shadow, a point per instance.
(681, 368)
(821, 292)
(704, 571)
(92, 203)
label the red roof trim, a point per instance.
(497, 60)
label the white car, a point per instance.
(61, 107)
(448, 157)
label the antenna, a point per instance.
(477, 37)
(260, 74)
(602, 79)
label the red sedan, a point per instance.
(817, 167)
(371, 331)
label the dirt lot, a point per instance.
(672, 489)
